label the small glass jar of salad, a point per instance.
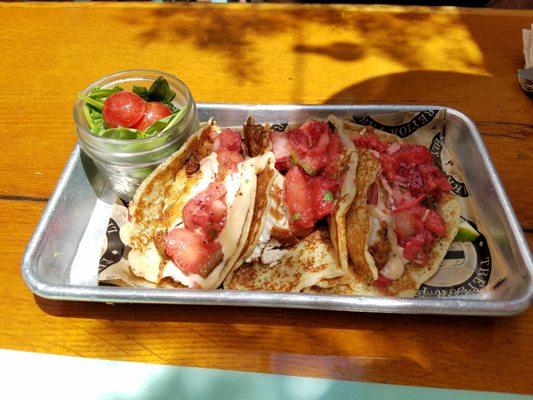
(129, 122)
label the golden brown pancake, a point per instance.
(158, 204)
(307, 263)
(362, 266)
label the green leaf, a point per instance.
(97, 93)
(99, 104)
(141, 91)
(120, 133)
(88, 117)
(328, 195)
(173, 108)
(160, 91)
(94, 119)
(158, 125)
(296, 216)
(163, 124)
(98, 121)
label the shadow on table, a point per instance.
(403, 349)
(415, 348)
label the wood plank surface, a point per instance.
(441, 351)
(466, 59)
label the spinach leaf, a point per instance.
(141, 91)
(158, 126)
(99, 104)
(160, 91)
(163, 124)
(173, 108)
(97, 93)
(94, 119)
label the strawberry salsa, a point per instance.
(415, 185)
(119, 114)
(310, 158)
(194, 247)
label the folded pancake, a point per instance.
(337, 221)
(401, 221)
(190, 218)
(304, 265)
(275, 231)
(270, 232)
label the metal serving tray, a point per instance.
(81, 196)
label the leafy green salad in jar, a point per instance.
(140, 114)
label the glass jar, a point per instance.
(126, 163)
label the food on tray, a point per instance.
(294, 203)
(402, 220)
(190, 218)
(322, 207)
(142, 113)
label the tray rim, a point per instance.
(452, 306)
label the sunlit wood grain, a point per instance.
(277, 53)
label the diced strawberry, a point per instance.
(321, 146)
(333, 155)
(370, 141)
(434, 181)
(413, 154)
(298, 198)
(191, 252)
(230, 140)
(281, 147)
(389, 166)
(414, 247)
(310, 145)
(372, 195)
(435, 223)
(207, 211)
(283, 164)
(229, 159)
(323, 193)
(406, 224)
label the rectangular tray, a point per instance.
(80, 206)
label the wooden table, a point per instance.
(466, 59)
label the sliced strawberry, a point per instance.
(435, 223)
(323, 193)
(229, 159)
(207, 210)
(298, 198)
(370, 141)
(191, 252)
(230, 140)
(310, 145)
